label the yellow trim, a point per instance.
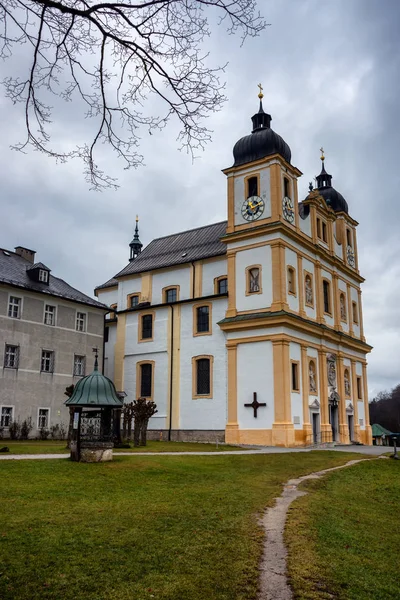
(282, 428)
(147, 283)
(247, 275)
(335, 298)
(198, 279)
(269, 161)
(128, 299)
(195, 395)
(300, 285)
(343, 423)
(119, 352)
(309, 274)
(217, 280)
(171, 287)
(139, 378)
(231, 264)
(140, 325)
(311, 359)
(232, 385)
(297, 376)
(305, 386)
(351, 330)
(368, 429)
(194, 318)
(360, 316)
(112, 312)
(326, 429)
(294, 280)
(231, 202)
(277, 300)
(357, 436)
(354, 312)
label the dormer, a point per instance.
(39, 273)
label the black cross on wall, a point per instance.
(255, 405)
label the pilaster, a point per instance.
(300, 283)
(343, 424)
(231, 260)
(119, 352)
(305, 392)
(282, 429)
(326, 428)
(355, 400)
(232, 426)
(368, 429)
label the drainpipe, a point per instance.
(171, 371)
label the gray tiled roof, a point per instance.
(13, 271)
(39, 265)
(110, 283)
(179, 248)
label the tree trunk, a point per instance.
(143, 432)
(136, 433)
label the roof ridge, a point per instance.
(163, 237)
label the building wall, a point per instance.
(27, 389)
(245, 258)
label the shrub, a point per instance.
(63, 431)
(1, 432)
(55, 431)
(43, 433)
(14, 429)
(26, 428)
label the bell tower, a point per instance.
(262, 182)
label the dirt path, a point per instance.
(273, 581)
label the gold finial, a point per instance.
(260, 94)
(322, 153)
(137, 218)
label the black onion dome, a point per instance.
(331, 196)
(262, 141)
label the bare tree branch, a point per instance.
(113, 56)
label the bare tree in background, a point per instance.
(112, 57)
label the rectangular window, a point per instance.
(348, 235)
(6, 416)
(359, 388)
(47, 361)
(43, 418)
(43, 276)
(203, 319)
(49, 315)
(134, 301)
(253, 280)
(355, 313)
(11, 357)
(171, 295)
(203, 384)
(147, 327)
(79, 365)
(295, 377)
(286, 184)
(223, 286)
(327, 296)
(14, 307)
(324, 233)
(146, 376)
(80, 321)
(319, 228)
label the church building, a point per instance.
(250, 330)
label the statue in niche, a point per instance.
(309, 290)
(346, 383)
(343, 315)
(332, 370)
(312, 377)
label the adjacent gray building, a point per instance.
(48, 330)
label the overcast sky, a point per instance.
(331, 77)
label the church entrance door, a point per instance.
(350, 420)
(333, 419)
(315, 422)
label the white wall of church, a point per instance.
(132, 285)
(161, 389)
(162, 279)
(240, 194)
(296, 397)
(108, 297)
(291, 261)
(255, 374)
(305, 225)
(354, 298)
(329, 318)
(109, 352)
(160, 330)
(203, 413)
(245, 258)
(210, 270)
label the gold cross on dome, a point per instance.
(322, 153)
(260, 94)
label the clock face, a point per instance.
(350, 256)
(288, 209)
(253, 208)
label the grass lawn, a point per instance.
(344, 537)
(170, 528)
(59, 447)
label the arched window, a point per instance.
(291, 278)
(348, 235)
(145, 379)
(286, 187)
(202, 376)
(252, 187)
(327, 296)
(343, 311)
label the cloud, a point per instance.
(330, 72)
